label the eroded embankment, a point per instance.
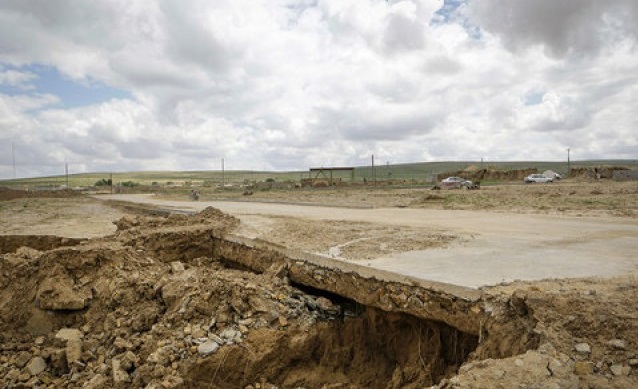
(168, 302)
(464, 309)
(10, 243)
(375, 349)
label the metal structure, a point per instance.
(328, 173)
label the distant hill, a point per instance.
(420, 172)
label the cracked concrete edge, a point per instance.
(456, 306)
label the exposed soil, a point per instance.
(158, 304)
(137, 316)
(10, 194)
(565, 197)
(70, 217)
(351, 240)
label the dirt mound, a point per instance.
(137, 319)
(475, 174)
(10, 194)
(596, 172)
(209, 216)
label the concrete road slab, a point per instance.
(497, 246)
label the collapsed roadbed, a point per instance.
(180, 302)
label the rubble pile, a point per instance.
(108, 314)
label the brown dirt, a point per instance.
(143, 316)
(10, 194)
(148, 299)
(476, 174)
(70, 217)
(567, 197)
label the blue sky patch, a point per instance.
(451, 12)
(533, 98)
(71, 93)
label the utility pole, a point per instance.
(223, 177)
(374, 175)
(66, 173)
(13, 154)
(568, 163)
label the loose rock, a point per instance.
(36, 366)
(582, 348)
(207, 348)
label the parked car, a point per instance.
(552, 174)
(538, 178)
(456, 182)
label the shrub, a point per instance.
(104, 182)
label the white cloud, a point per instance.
(17, 79)
(287, 84)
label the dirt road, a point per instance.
(493, 247)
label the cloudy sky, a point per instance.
(117, 85)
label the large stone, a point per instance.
(36, 366)
(583, 368)
(68, 333)
(73, 350)
(618, 369)
(230, 335)
(177, 267)
(57, 294)
(582, 348)
(207, 348)
(617, 344)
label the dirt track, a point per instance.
(489, 247)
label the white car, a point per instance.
(538, 178)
